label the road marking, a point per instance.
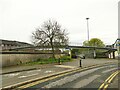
(112, 77)
(52, 76)
(11, 75)
(37, 82)
(33, 71)
(105, 85)
(101, 86)
(64, 66)
(48, 71)
(70, 78)
(28, 75)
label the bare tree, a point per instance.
(50, 34)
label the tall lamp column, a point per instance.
(87, 28)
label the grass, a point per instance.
(49, 61)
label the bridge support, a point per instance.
(113, 53)
(109, 55)
(70, 53)
(94, 53)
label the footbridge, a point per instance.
(71, 46)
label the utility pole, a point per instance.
(87, 28)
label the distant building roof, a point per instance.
(16, 43)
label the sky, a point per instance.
(19, 18)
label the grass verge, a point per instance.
(49, 60)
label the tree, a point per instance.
(50, 34)
(94, 42)
(86, 43)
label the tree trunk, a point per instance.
(53, 53)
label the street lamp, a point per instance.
(88, 33)
(87, 28)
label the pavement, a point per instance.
(73, 64)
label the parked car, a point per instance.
(74, 56)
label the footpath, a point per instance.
(72, 64)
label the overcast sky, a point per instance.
(19, 18)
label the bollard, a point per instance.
(80, 62)
(59, 61)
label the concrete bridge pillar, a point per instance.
(109, 55)
(70, 53)
(113, 53)
(94, 53)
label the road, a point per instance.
(14, 78)
(92, 78)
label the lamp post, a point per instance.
(87, 28)
(88, 33)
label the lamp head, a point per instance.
(87, 18)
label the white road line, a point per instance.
(34, 71)
(64, 66)
(28, 75)
(11, 75)
(49, 71)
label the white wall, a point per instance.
(15, 59)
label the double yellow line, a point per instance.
(105, 85)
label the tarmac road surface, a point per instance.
(92, 78)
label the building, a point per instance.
(117, 45)
(118, 40)
(8, 44)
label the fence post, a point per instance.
(59, 61)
